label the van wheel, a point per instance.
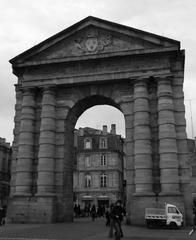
(173, 225)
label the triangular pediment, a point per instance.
(91, 37)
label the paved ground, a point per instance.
(85, 229)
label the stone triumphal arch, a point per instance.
(98, 62)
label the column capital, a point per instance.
(164, 79)
(162, 76)
(30, 91)
(48, 89)
(141, 81)
(140, 90)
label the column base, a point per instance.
(22, 209)
(138, 205)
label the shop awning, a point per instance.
(103, 197)
(87, 197)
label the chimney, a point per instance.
(2, 140)
(81, 132)
(105, 129)
(113, 129)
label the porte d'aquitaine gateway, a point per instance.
(95, 62)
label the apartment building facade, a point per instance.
(98, 175)
(5, 162)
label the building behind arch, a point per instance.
(5, 163)
(99, 167)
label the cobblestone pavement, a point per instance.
(85, 229)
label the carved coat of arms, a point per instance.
(93, 42)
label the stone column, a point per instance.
(46, 154)
(167, 139)
(16, 132)
(142, 139)
(25, 156)
(127, 110)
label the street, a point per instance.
(85, 229)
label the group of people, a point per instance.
(77, 210)
(89, 211)
(113, 214)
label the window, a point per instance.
(103, 180)
(87, 161)
(87, 143)
(103, 143)
(103, 160)
(87, 181)
(172, 210)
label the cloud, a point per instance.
(98, 116)
(25, 23)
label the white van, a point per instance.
(170, 216)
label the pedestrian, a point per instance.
(194, 213)
(1, 215)
(75, 210)
(107, 216)
(88, 210)
(194, 218)
(116, 216)
(93, 212)
(103, 210)
(79, 210)
(4, 211)
(111, 221)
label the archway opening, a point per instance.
(94, 154)
(97, 116)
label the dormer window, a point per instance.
(87, 143)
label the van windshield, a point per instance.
(172, 210)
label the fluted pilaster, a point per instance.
(45, 181)
(25, 156)
(142, 139)
(167, 138)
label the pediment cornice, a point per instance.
(94, 38)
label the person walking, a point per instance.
(4, 211)
(93, 212)
(1, 215)
(79, 210)
(116, 216)
(107, 216)
(75, 210)
(194, 218)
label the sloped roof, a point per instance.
(46, 49)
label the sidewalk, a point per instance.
(85, 229)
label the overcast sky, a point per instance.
(25, 23)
